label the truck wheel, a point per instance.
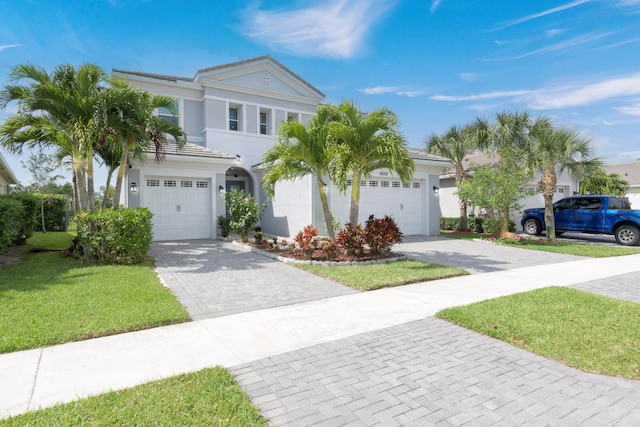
(532, 226)
(627, 235)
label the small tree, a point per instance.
(498, 188)
(599, 182)
(244, 212)
(42, 168)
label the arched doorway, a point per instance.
(239, 179)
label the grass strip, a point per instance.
(368, 277)
(210, 397)
(590, 332)
(50, 299)
(51, 240)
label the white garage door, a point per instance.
(405, 202)
(181, 207)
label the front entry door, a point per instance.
(235, 185)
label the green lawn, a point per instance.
(586, 331)
(368, 277)
(569, 248)
(51, 240)
(210, 397)
(51, 299)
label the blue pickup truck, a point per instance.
(589, 214)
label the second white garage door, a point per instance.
(181, 207)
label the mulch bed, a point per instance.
(319, 255)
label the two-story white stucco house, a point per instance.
(230, 114)
(7, 177)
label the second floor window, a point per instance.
(263, 123)
(233, 119)
(168, 115)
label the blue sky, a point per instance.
(435, 63)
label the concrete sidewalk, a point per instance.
(43, 377)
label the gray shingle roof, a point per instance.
(630, 172)
(194, 150)
(423, 154)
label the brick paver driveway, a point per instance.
(212, 278)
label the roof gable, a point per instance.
(262, 73)
(630, 172)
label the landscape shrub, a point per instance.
(449, 223)
(307, 240)
(11, 222)
(381, 234)
(329, 248)
(120, 236)
(30, 214)
(54, 212)
(351, 239)
(225, 227)
(475, 224)
(244, 212)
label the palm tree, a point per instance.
(552, 152)
(365, 143)
(135, 128)
(57, 109)
(456, 144)
(300, 151)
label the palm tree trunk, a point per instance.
(91, 200)
(106, 190)
(328, 220)
(122, 169)
(548, 182)
(355, 199)
(464, 224)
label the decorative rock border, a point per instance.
(288, 260)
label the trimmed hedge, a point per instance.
(18, 216)
(54, 212)
(479, 225)
(11, 222)
(120, 236)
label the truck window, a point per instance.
(619, 203)
(564, 204)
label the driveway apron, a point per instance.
(476, 256)
(213, 278)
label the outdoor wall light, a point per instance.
(220, 189)
(134, 187)
(436, 190)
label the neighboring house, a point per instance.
(630, 172)
(449, 205)
(7, 177)
(230, 114)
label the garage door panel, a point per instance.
(405, 204)
(181, 207)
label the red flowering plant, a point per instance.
(381, 234)
(307, 240)
(351, 238)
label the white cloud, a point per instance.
(554, 32)
(397, 90)
(434, 5)
(632, 110)
(468, 77)
(334, 30)
(543, 13)
(8, 46)
(551, 98)
(567, 44)
(586, 94)
(482, 96)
